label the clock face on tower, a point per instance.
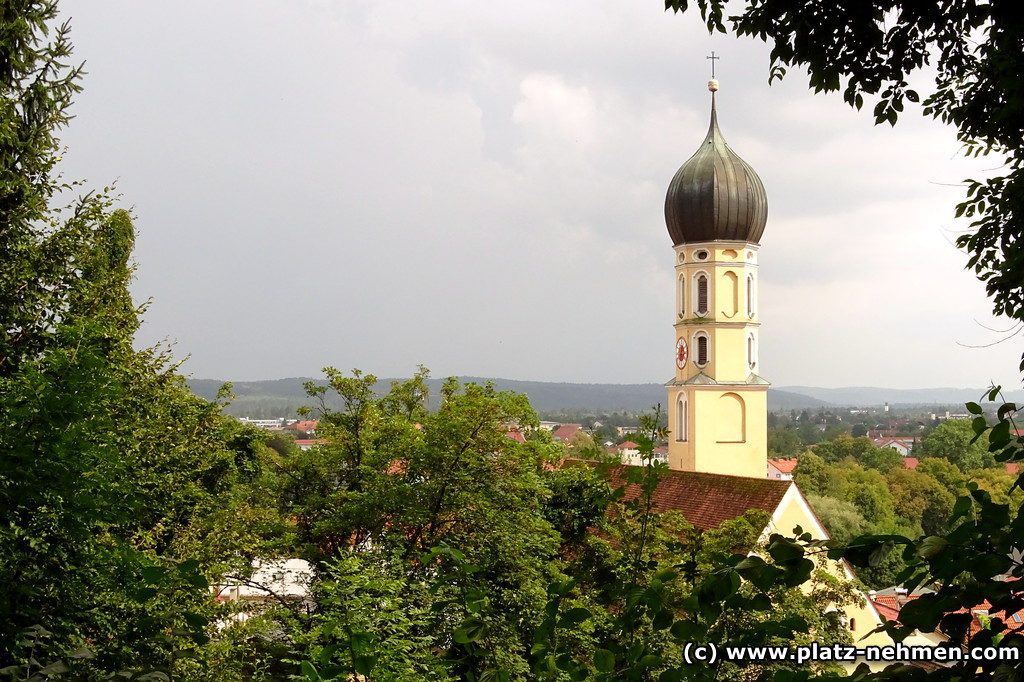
(681, 353)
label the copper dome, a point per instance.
(715, 195)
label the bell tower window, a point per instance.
(702, 349)
(750, 295)
(702, 294)
(751, 355)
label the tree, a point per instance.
(841, 518)
(860, 450)
(442, 501)
(872, 50)
(783, 443)
(812, 474)
(121, 493)
(953, 440)
(921, 500)
(945, 472)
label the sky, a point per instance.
(479, 188)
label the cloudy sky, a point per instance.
(478, 187)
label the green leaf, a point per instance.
(974, 408)
(574, 617)
(604, 660)
(931, 547)
(783, 550)
(55, 668)
(153, 574)
(470, 631)
(364, 664)
(196, 620)
(663, 619)
(309, 672)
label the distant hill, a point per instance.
(281, 397)
(867, 396)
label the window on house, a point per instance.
(702, 294)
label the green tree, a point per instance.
(114, 477)
(953, 440)
(812, 474)
(783, 443)
(860, 450)
(921, 500)
(946, 473)
(843, 521)
(445, 501)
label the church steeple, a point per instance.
(715, 195)
(716, 210)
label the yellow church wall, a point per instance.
(861, 617)
(728, 430)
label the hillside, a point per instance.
(866, 396)
(281, 397)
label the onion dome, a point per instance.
(715, 195)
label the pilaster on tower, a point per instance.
(715, 210)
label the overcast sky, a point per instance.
(479, 187)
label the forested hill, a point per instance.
(281, 397)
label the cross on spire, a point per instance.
(712, 58)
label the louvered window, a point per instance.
(702, 294)
(702, 350)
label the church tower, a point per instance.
(715, 210)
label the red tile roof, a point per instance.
(1012, 468)
(888, 606)
(565, 432)
(305, 425)
(784, 466)
(910, 462)
(706, 500)
(310, 441)
(516, 436)
(627, 445)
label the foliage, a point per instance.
(783, 443)
(953, 439)
(121, 492)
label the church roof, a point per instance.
(715, 195)
(706, 500)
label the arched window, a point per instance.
(702, 349)
(751, 357)
(702, 294)
(682, 295)
(681, 419)
(853, 624)
(750, 295)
